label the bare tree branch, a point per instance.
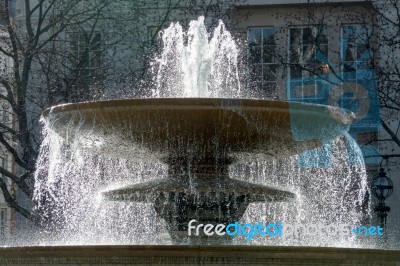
(390, 132)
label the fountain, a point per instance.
(198, 129)
(198, 138)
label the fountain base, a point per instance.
(195, 255)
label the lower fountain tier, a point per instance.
(198, 190)
(203, 192)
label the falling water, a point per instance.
(70, 178)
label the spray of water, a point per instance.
(194, 65)
(70, 178)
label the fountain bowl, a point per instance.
(169, 129)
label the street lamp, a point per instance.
(382, 188)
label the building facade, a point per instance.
(329, 53)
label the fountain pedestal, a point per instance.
(200, 190)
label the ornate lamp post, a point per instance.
(382, 188)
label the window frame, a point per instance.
(343, 52)
(93, 71)
(3, 224)
(309, 85)
(267, 86)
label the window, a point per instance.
(357, 67)
(3, 224)
(262, 48)
(3, 164)
(356, 55)
(5, 114)
(2, 10)
(3, 161)
(151, 33)
(307, 56)
(86, 53)
(20, 7)
(5, 64)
